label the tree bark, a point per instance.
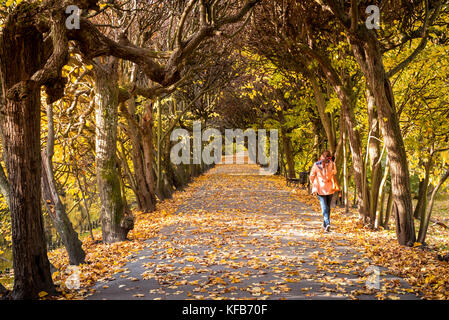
(115, 224)
(21, 55)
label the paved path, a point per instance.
(245, 236)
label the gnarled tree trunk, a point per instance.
(21, 55)
(114, 222)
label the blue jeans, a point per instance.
(325, 202)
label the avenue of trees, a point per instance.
(86, 113)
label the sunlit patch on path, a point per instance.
(247, 237)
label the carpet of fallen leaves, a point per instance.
(417, 265)
(233, 237)
(103, 260)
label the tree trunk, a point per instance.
(115, 224)
(369, 57)
(86, 207)
(426, 218)
(380, 200)
(56, 211)
(345, 171)
(288, 154)
(127, 170)
(172, 178)
(357, 160)
(159, 154)
(55, 207)
(148, 148)
(422, 203)
(388, 210)
(144, 197)
(317, 139)
(421, 198)
(21, 55)
(374, 156)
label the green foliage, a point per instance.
(422, 93)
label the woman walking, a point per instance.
(324, 184)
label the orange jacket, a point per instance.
(322, 178)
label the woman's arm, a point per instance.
(312, 174)
(334, 168)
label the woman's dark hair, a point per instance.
(326, 154)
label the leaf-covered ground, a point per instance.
(233, 234)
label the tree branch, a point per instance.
(422, 45)
(182, 21)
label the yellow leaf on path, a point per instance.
(42, 294)
(235, 280)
